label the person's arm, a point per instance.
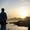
(6, 16)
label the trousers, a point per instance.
(3, 27)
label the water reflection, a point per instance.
(15, 27)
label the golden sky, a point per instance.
(20, 12)
(16, 8)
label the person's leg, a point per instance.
(28, 28)
(3, 27)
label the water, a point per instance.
(14, 27)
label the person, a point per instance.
(3, 19)
(28, 25)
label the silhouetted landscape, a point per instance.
(25, 20)
(20, 22)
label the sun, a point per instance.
(23, 12)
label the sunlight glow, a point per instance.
(23, 12)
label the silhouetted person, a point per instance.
(28, 25)
(3, 19)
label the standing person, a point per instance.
(3, 19)
(28, 25)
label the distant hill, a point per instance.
(15, 19)
(27, 18)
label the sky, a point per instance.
(16, 8)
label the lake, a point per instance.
(14, 27)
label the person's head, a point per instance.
(2, 9)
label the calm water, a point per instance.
(15, 27)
